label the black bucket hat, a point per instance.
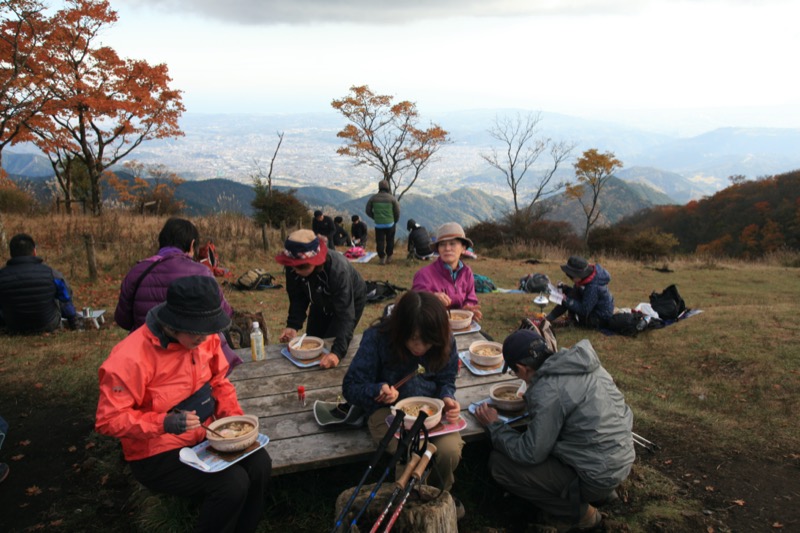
(193, 306)
(577, 267)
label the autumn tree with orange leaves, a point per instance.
(387, 137)
(99, 107)
(592, 171)
(22, 91)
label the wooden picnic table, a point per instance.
(268, 389)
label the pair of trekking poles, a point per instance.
(414, 473)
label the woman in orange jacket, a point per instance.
(156, 388)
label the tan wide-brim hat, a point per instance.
(450, 231)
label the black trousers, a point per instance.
(232, 499)
(384, 241)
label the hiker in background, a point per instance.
(448, 277)
(324, 286)
(33, 297)
(419, 242)
(415, 333)
(578, 446)
(384, 209)
(359, 231)
(589, 302)
(340, 235)
(159, 385)
(324, 227)
(146, 284)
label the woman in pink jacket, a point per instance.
(159, 385)
(448, 277)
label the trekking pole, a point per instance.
(644, 443)
(405, 441)
(398, 419)
(416, 477)
(399, 485)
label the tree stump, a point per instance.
(425, 511)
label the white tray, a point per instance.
(467, 362)
(217, 463)
(303, 364)
(473, 328)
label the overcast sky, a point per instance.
(734, 58)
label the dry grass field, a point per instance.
(719, 393)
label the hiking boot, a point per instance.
(461, 512)
(591, 520)
(3, 471)
(609, 500)
(388, 259)
(382, 261)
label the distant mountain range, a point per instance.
(231, 147)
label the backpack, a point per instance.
(668, 304)
(544, 328)
(253, 279)
(238, 335)
(535, 283)
(628, 324)
(378, 291)
(355, 252)
(484, 284)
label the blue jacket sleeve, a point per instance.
(446, 378)
(586, 304)
(361, 384)
(64, 295)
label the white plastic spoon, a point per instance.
(296, 344)
(188, 455)
(522, 388)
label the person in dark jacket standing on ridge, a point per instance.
(146, 284)
(589, 302)
(419, 241)
(33, 297)
(358, 231)
(323, 226)
(578, 445)
(384, 209)
(325, 287)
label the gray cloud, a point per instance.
(264, 12)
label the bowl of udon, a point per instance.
(486, 353)
(306, 348)
(238, 433)
(460, 318)
(504, 396)
(413, 405)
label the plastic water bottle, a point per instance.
(257, 343)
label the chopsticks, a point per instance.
(212, 431)
(411, 375)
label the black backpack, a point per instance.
(535, 283)
(668, 304)
(378, 291)
(628, 324)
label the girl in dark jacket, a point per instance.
(416, 333)
(326, 288)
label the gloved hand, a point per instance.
(75, 323)
(175, 423)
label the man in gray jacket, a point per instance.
(578, 445)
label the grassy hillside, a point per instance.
(717, 392)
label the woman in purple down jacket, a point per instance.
(145, 285)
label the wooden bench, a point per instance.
(268, 389)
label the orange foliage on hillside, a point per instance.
(747, 219)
